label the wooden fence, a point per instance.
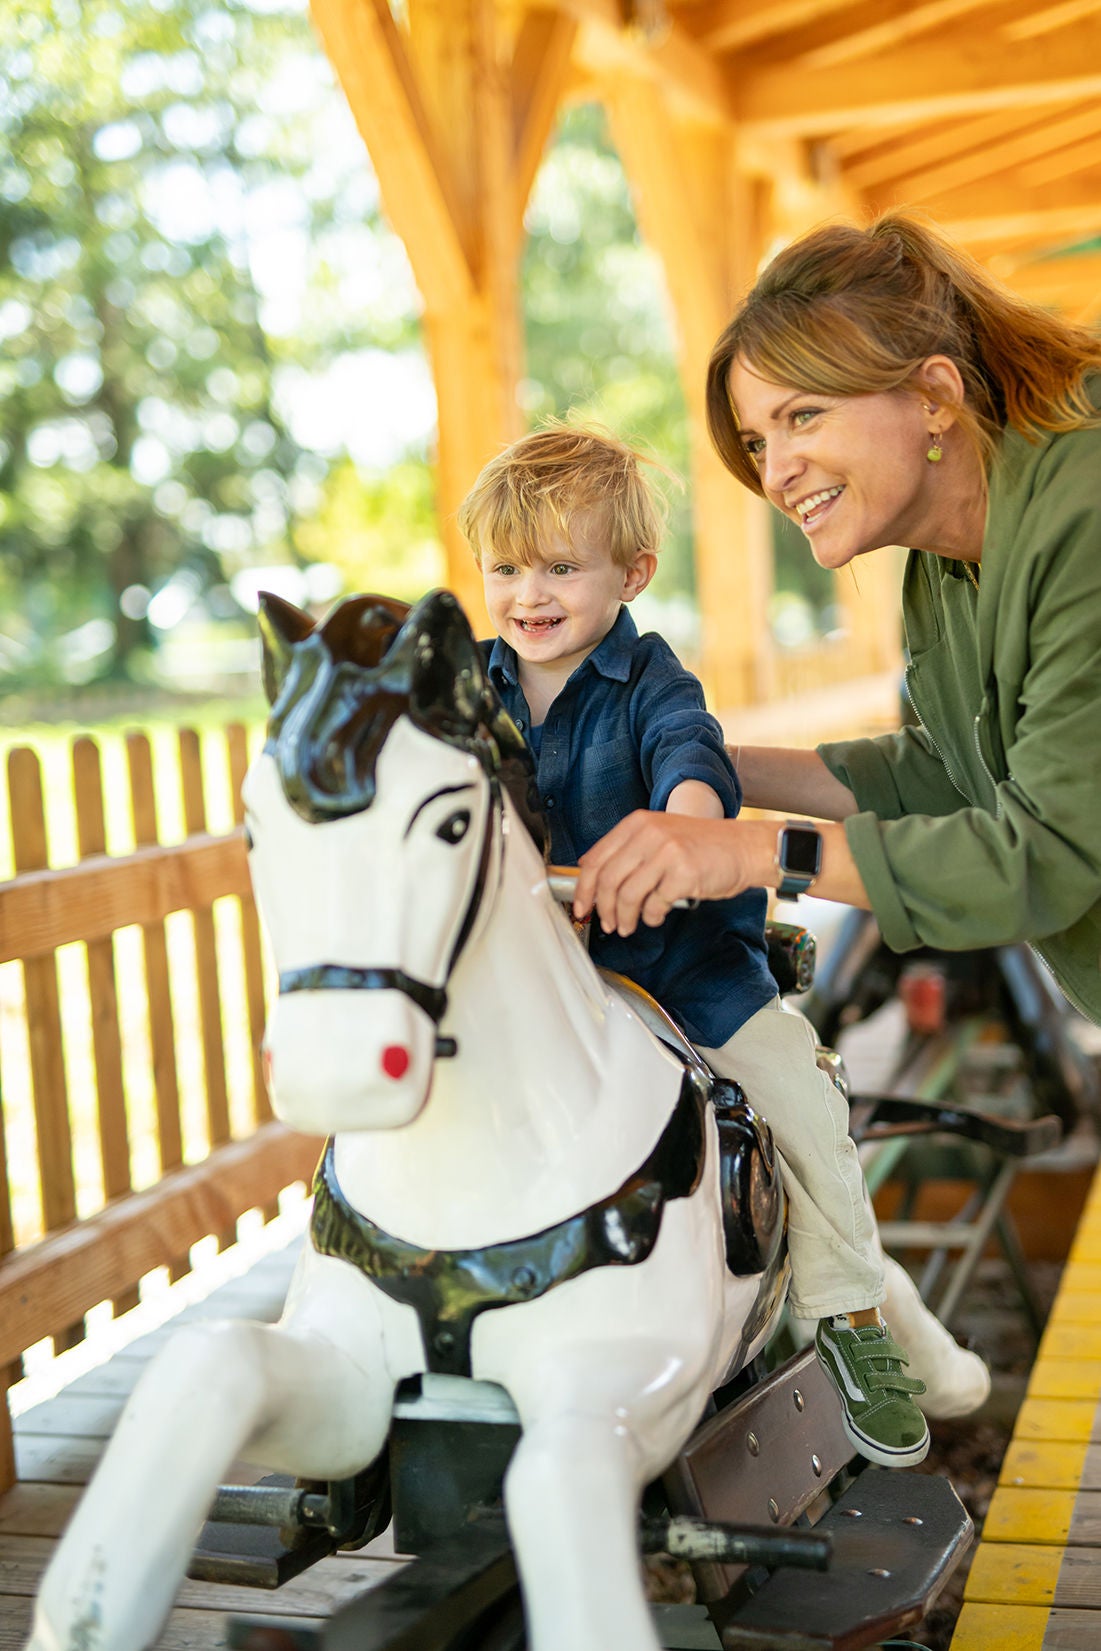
(203, 1173)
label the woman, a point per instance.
(878, 388)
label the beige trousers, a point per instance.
(836, 1263)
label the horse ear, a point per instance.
(448, 672)
(282, 625)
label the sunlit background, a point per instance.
(212, 379)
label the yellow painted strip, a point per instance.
(1071, 1341)
(982, 1627)
(1065, 1379)
(1087, 1243)
(1056, 1419)
(1050, 1466)
(1077, 1307)
(1018, 1514)
(1013, 1573)
(1080, 1275)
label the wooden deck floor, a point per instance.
(58, 1443)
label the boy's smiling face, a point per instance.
(556, 610)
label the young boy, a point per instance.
(565, 530)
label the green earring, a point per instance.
(935, 452)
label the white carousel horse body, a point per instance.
(557, 1093)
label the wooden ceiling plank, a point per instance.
(732, 25)
(971, 74)
(1043, 19)
(868, 141)
(1004, 194)
(1069, 282)
(1008, 154)
(867, 30)
(1076, 157)
(541, 68)
(1042, 226)
(415, 178)
(884, 163)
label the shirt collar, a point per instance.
(611, 657)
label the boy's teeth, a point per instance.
(805, 506)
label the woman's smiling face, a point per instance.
(851, 471)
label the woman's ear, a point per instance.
(638, 574)
(940, 385)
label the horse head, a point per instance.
(374, 817)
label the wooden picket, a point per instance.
(49, 1282)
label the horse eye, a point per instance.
(249, 840)
(455, 827)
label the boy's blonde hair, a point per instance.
(550, 478)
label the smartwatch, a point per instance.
(798, 858)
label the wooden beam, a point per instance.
(1076, 157)
(56, 1280)
(875, 27)
(987, 163)
(1003, 196)
(541, 68)
(705, 218)
(1041, 228)
(1071, 284)
(686, 70)
(667, 187)
(1043, 19)
(969, 74)
(732, 25)
(41, 910)
(877, 164)
(416, 178)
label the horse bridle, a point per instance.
(432, 1000)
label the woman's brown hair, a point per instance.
(854, 311)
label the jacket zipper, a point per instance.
(928, 735)
(983, 764)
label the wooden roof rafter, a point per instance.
(1037, 137)
(415, 173)
(963, 74)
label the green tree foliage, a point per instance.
(153, 155)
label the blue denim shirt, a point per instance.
(628, 727)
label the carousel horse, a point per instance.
(523, 1183)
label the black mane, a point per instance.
(336, 690)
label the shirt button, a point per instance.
(520, 724)
(548, 802)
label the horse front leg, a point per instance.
(596, 1430)
(216, 1392)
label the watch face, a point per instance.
(801, 853)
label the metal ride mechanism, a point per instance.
(989, 1076)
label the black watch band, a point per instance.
(798, 858)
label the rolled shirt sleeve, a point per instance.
(680, 740)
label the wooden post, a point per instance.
(703, 219)
(455, 112)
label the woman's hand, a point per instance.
(649, 860)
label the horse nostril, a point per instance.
(395, 1060)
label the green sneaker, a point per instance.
(877, 1401)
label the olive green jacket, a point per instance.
(983, 826)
